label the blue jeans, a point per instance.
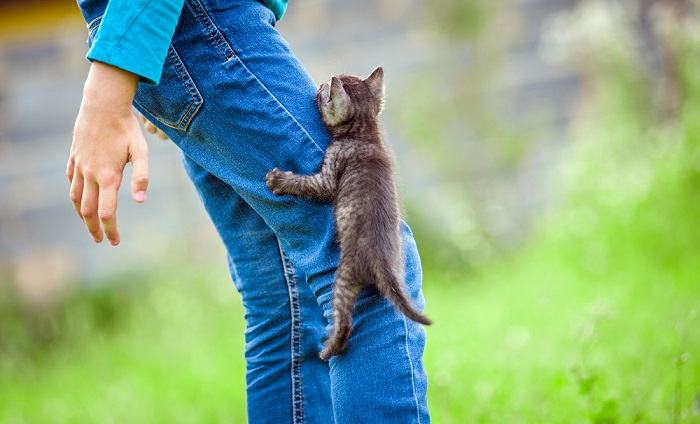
(237, 102)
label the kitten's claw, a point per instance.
(326, 354)
(333, 349)
(273, 179)
(329, 351)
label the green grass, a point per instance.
(529, 339)
(533, 340)
(174, 355)
(596, 318)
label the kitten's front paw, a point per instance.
(275, 180)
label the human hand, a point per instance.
(107, 135)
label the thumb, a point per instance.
(139, 174)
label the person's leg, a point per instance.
(238, 103)
(284, 324)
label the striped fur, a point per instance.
(357, 175)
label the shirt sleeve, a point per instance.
(134, 35)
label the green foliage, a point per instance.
(452, 115)
(584, 323)
(465, 19)
(29, 331)
(162, 348)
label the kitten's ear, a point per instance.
(338, 107)
(376, 81)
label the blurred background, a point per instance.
(549, 162)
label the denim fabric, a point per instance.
(237, 102)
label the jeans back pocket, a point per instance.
(175, 100)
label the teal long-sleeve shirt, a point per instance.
(134, 35)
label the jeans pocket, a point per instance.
(175, 100)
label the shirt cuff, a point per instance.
(149, 70)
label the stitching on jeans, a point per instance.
(410, 363)
(295, 348)
(215, 35)
(210, 28)
(295, 338)
(286, 111)
(195, 96)
(194, 93)
(94, 23)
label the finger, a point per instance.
(107, 211)
(70, 169)
(162, 135)
(150, 127)
(139, 175)
(76, 192)
(88, 209)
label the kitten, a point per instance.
(357, 175)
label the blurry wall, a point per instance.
(42, 67)
(43, 245)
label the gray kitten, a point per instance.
(357, 175)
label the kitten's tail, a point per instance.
(392, 289)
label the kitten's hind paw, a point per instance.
(333, 349)
(326, 354)
(274, 180)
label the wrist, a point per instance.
(109, 88)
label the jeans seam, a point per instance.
(94, 23)
(196, 99)
(295, 339)
(194, 93)
(224, 46)
(211, 29)
(410, 363)
(279, 104)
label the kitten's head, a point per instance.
(348, 97)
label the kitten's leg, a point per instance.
(316, 187)
(320, 186)
(345, 292)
